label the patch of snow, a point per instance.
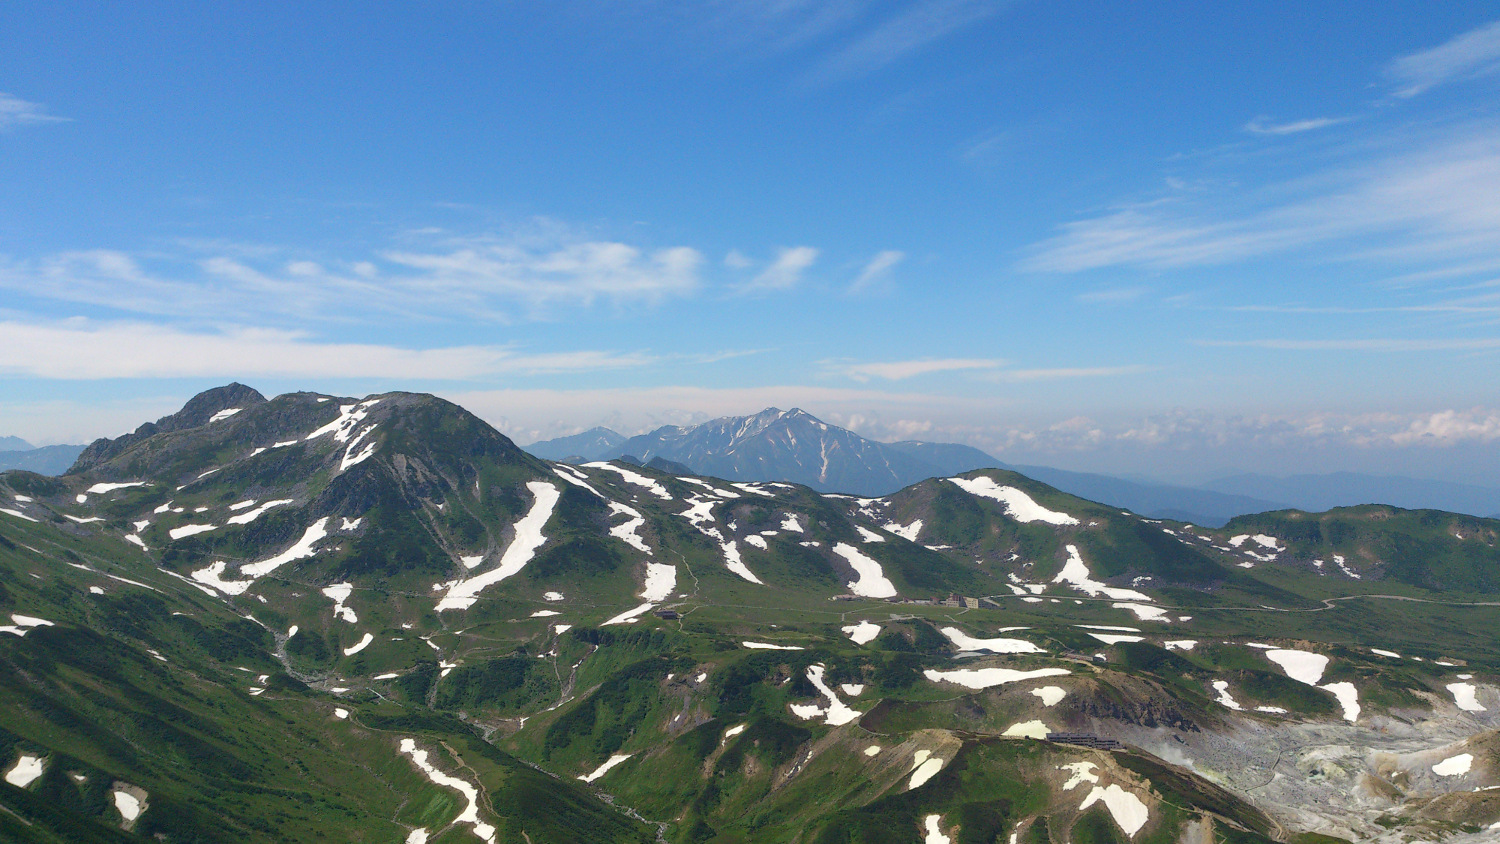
(240, 505)
(472, 562)
(1179, 644)
(247, 518)
(99, 489)
(636, 478)
(1144, 612)
(303, 548)
(604, 769)
(26, 770)
(523, 547)
(576, 478)
(1108, 627)
(627, 532)
(853, 689)
(966, 642)
(552, 596)
(862, 633)
(1116, 638)
(351, 524)
(1379, 652)
(470, 814)
(89, 520)
(388, 676)
(1079, 773)
(1466, 696)
(1018, 505)
(1454, 766)
(836, 713)
(908, 532)
(1050, 695)
(360, 645)
(22, 623)
(1126, 808)
(224, 414)
(94, 590)
(545, 613)
(1348, 699)
(1302, 666)
(190, 530)
(661, 579)
(733, 562)
(758, 542)
(734, 731)
(630, 616)
(872, 582)
(926, 767)
(17, 513)
(1028, 729)
(340, 713)
(213, 575)
(872, 750)
(868, 535)
(789, 522)
(1076, 574)
(350, 415)
(339, 593)
(127, 804)
(984, 678)
(1274, 710)
(934, 832)
(1222, 687)
(767, 647)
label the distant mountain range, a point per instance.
(16, 453)
(796, 447)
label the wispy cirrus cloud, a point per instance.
(1266, 126)
(82, 349)
(1369, 344)
(496, 278)
(1432, 203)
(16, 113)
(897, 36)
(1470, 55)
(785, 272)
(901, 370)
(877, 270)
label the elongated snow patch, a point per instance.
(836, 713)
(470, 814)
(767, 647)
(360, 645)
(872, 582)
(303, 548)
(999, 646)
(1454, 766)
(636, 478)
(1466, 696)
(627, 532)
(984, 678)
(529, 538)
(1076, 574)
(1018, 505)
(733, 562)
(604, 769)
(925, 768)
(340, 593)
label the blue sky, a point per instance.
(1171, 239)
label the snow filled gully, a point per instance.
(528, 539)
(470, 814)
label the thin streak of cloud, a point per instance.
(1374, 344)
(878, 270)
(16, 113)
(1067, 373)
(901, 370)
(1433, 203)
(785, 272)
(78, 349)
(905, 33)
(1467, 56)
(1263, 126)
